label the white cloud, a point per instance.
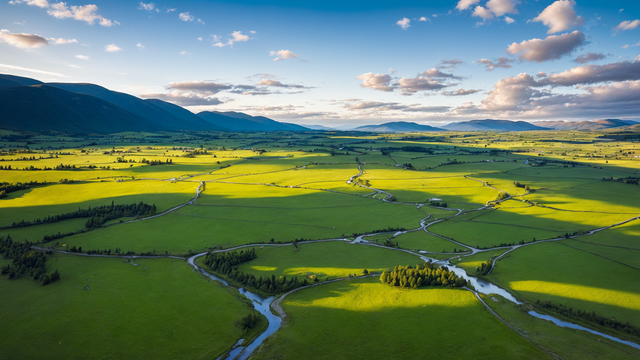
(200, 21)
(283, 54)
(483, 13)
(140, 46)
(75, 66)
(501, 7)
(628, 25)
(199, 39)
(185, 99)
(509, 20)
(112, 48)
(86, 13)
(38, 3)
(61, 41)
(186, 17)
(82, 57)
(560, 16)
(466, 4)
(449, 64)
(148, 7)
(410, 86)
(459, 92)
(403, 23)
(20, 68)
(184, 53)
(171, 10)
(490, 65)
(22, 41)
(424, 19)
(551, 48)
(375, 81)
(234, 37)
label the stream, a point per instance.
(260, 304)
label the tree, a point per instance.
(366, 272)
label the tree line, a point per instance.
(97, 216)
(226, 264)
(591, 317)
(25, 262)
(6, 188)
(426, 274)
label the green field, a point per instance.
(347, 320)
(160, 309)
(293, 186)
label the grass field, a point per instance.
(158, 309)
(364, 319)
(557, 273)
(332, 259)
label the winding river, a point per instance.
(260, 304)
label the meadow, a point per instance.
(264, 189)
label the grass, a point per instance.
(469, 263)
(310, 215)
(332, 259)
(364, 319)
(420, 240)
(159, 309)
(557, 273)
(564, 342)
(43, 201)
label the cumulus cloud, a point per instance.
(560, 16)
(149, 7)
(276, 83)
(112, 48)
(82, 57)
(234, 37)
(490, 65)
(509, 20)
(435, 73)
(61, 41)
(589, 57)
(86, 13)
(460, 92)
(23, 41)
(202, 87)
(410, 86)
(483, 13)
(403, 23)
(185, 16)
(628, 25)
(449, 64)
(140, 46)
(424, 19)
(283, 54)
(466, 4)
(185, 99)
(591, 74)
(375, 81)
(551, 48)
(511, 93)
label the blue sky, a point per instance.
(355, 62)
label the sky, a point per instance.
(342, 63)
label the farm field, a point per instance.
(274, 192)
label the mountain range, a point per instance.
(31, 105)
(586, 125)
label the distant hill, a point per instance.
(492, 125)
(28, 104)
(585, 125)
(318, 127)
(398, 126)
(137, 106)
(41, 107)
(237, 121)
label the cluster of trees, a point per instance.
(388, 229)
(427, 274)
(8, 167)
(192, 154)
(249, 322)
(437, 203)
(25, 262)
(98, 215)
(226, 264)
(408, 165)
(157, 162)
(591, 317)
(501, 196)
(526, 187)
(102, 214)
(59, 235)
(485, 267)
